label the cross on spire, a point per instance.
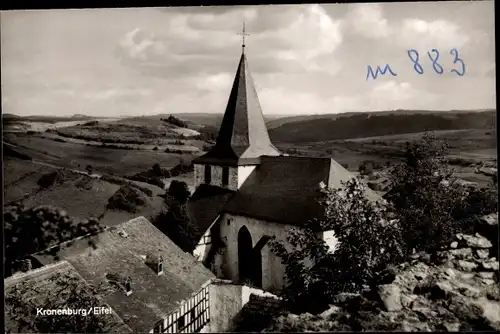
(243, 34)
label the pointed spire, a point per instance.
(243, 135)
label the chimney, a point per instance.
(123, 283)
(155, 262)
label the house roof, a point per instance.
(243, 135)
(286, 189)
(122, 250)
(42, 285)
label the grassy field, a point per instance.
(81, 196)
(471, 146)
(119, 162)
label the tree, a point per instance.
(67, 291)
(368, 240)
(177, 224)
(426, 196)
(157, 171)
(29, 230)
(179, 191)
(89, 169)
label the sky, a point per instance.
(304, 59)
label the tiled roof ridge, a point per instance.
(99, 231)
(14, 279)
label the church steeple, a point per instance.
(243, 135)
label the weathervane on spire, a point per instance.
(243, 34)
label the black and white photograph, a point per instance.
(324, 167)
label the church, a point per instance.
(246, 192)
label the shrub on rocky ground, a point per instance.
(460, 293)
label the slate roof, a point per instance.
(286, 189)
(122, 250)
(243, 135)
(38, 286)
(206, 204)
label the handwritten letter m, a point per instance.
(379, 71)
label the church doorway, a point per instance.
(249, 260)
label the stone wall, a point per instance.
(226, 302)
(237, 175)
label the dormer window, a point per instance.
(128, 286)
(160, 268)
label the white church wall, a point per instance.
(331, 240)
(273, 271)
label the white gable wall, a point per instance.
(243, 173)
(273, 271)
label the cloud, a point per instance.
(218, 82)
(187, 42)
(418, 33)
(367, 20)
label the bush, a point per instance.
(155, 148)
(181, 169)
(168, 150)
(57, 177)
(367, 243)
(91, 123)
(175, 121)
(127, 199)
(123, 182)
(156, 181)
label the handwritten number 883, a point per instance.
(414, 57)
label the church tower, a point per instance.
(242, 139)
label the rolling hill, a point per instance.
(359, 125)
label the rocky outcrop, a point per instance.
(458, 291)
